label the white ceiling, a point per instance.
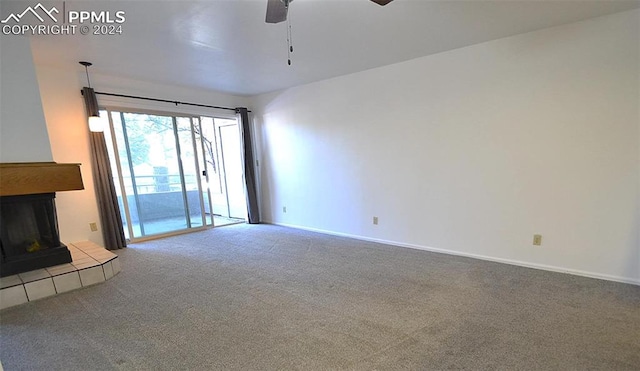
(227, 46)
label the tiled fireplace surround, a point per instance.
(91, 264)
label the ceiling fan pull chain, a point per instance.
(290, 36)
(289, 41)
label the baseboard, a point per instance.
(468, 255)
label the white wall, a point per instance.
(473, 151)
(67, 123)
(23, 133)
(66, 120)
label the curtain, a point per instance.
(112, 229)
(249, 168)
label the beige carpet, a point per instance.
(270, 298)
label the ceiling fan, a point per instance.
(277, 9)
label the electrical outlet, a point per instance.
(284, 209)
(375, 220)
(93, 227)
(537, 239)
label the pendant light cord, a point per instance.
(86, 69)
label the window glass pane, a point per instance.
(191, 176)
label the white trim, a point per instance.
(469, 255)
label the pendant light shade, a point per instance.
(91, 103)
(95, 124)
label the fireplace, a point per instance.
(29, 237)
(29, 234)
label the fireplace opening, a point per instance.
(29, 235)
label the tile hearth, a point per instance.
(91, 264)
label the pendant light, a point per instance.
(91, 103)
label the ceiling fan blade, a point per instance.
(277, 10)
(382, 2)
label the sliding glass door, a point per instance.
(190, 171)
(223, 169)
(229, 134)
(161, 165)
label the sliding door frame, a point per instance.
(203, 214)
(193, 119)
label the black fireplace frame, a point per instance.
(13, 260)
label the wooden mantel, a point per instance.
(24, 178)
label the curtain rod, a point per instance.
(167, 101)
